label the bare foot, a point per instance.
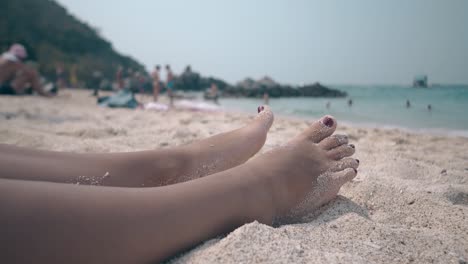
(201, 158)
(226, 150)
(307, 172)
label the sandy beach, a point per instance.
(408, 204)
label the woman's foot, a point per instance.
(307, 172)
(225, 150)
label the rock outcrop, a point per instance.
(193, 81)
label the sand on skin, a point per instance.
(408, 204)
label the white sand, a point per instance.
(409, 202)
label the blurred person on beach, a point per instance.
(139, 83)
(170, 84)
(147, 206)
(119, 77)
(96, 82)
(73, 77)
(155, 75)
(350, 102)
(16, 77)
(214, 93)
(136, 87)
(60, 81)
(408, 104)
(128, 79)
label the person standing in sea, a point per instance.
(266, 98)
(170, 84)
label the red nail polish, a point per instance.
(355, 171)
(357, 161)
(262, 108)
(328, 121)
(258, 109)
(351, 145)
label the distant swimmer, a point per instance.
(350, 102)
(328, 105)
(429, 107)
(408, 104)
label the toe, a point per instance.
(341, 152)
(321, 129)
(345, 164)
(344, 176)
(265, 115)
(333, 141)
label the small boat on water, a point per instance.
(420, 81)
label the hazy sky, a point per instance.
(331, 41)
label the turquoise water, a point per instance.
(379, 106)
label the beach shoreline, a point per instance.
(408, 204)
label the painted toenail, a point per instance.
(328, 121)
(258, 109)
(357, 161)
(355, 171)
(351, 145)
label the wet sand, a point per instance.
(408, 204)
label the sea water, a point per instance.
(378, 106)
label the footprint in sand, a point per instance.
(458, 197)
(182, 134)
(185, 121)
(401, 141)
(8, 115)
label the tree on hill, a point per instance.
(52, 36)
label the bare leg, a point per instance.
(171, 97)
(155, 91)
(60, 223)
(27, 75)
(138, 169)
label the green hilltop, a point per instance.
(52, 35)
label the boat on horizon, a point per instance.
(420, 81)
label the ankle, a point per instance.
(259, 197)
